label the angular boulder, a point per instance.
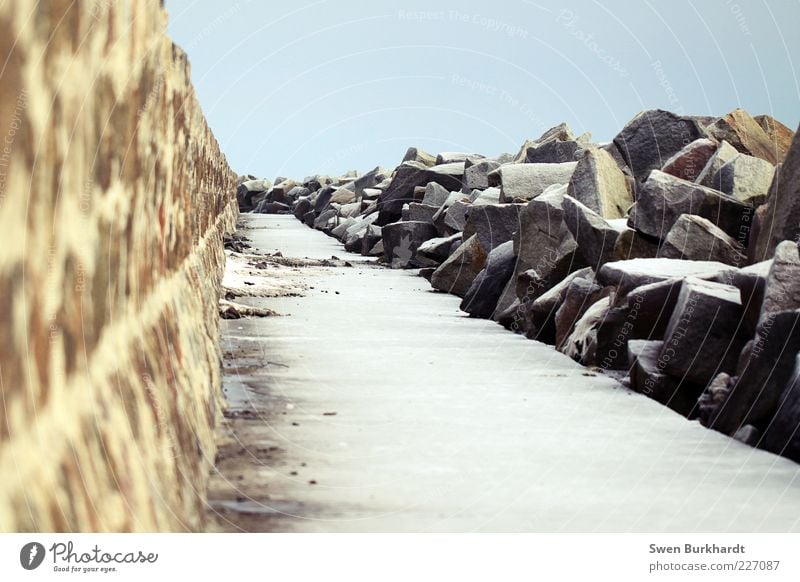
(482, 296)
(435, 195)
(695, 238)
(438, 249)
(401, 241)
(599, 184)
(689, 163)
(664, 198)
(420, 156)
(596, 238)
(780, 135)
(782, 435)
(458, 272)
(552, 152)
(648, 378)
(527, 181)
(653, 137)
(746, 178)
(724, 154)
(628, 275)
(494, 224)
(744, 133)
(635, 245)
(781, 217)
(476, 175)
(407, 177)
(704, 336)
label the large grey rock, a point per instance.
(407, 177)
(663, 198)
(651, 138)
(340, 231)
(782, 435)
(544, 243)
(372, 236)
(342, 196)
(628, 275)
(368, 180)
(326, 219)
(560, 132)
(754, 395)
(249, 192)
(697, 239)
(689, 163)
(476, 176)
(455, 217)
(725, 153)
(451, 157)
(495, 224)
(648, 378)
(781, 219)
(751, 282)
(488, 196)
(458, 272)
(302, 206)
(296, 193)
(552, 152)
(746, 178)
(599, 184)
(539, 315)
(744, 133)
(779, 135)
(422, 212)
(322, 199)
(420, 156)
(581, 294)
(582, 342)
(635, 245)
(704, 336)
(595, 236)
(439, 249)
(527, 181)
(435, 195)
(782, 289)
(440, 219)
(401, 241)
(482, 296)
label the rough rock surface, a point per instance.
(527, 181)
(651, 138)
(697, 239)
(598, 183)
(744, 133)
(458, 272)
(482, 296)
(704, 336)
(401, 241)
(689, 163)
(664, 198)
(781, 217)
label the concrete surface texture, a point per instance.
(373, 404)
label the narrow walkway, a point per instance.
(373, 404)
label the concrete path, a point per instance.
(373, 404)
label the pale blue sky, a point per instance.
(324, 86)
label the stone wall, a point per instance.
(114, 197)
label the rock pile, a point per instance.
(669, 254)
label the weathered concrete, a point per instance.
(446, 423)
